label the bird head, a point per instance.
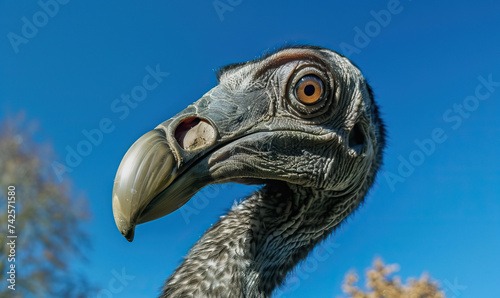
(303, 115)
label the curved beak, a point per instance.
(145, 169)
(150, 184)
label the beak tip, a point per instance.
(130, 236)
(129, 233)
(126, 228)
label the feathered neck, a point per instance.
(249, 251)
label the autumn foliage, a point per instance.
(380, 284)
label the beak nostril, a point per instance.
(194, 133)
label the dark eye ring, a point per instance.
(309, 89)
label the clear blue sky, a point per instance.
(424, 59)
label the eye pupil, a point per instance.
(309, 90)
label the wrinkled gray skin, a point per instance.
(316, 162)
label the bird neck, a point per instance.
(249, 251)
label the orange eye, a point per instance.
(309, 89)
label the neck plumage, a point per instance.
(249, 251)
